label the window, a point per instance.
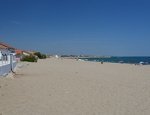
(4, 57)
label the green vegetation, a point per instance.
(30, 58)
(40, 56)
(33, 57)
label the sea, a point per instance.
(145, 60)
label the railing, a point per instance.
(6, 66)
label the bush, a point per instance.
(30, 58)
(43, 56)
(40, 56)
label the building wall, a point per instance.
(7, 62)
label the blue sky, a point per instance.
(95, 27)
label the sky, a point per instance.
(90, 27)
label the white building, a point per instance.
(7, 61)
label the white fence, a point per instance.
(7, 62)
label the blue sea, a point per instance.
(129, 60)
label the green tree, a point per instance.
(30, 58)
(40, 56)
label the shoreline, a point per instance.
(118, 62)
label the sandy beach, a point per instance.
(70, 87)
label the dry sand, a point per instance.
(70, 87)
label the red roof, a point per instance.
(18, 51)
(4, 45)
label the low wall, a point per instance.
(5, 69)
